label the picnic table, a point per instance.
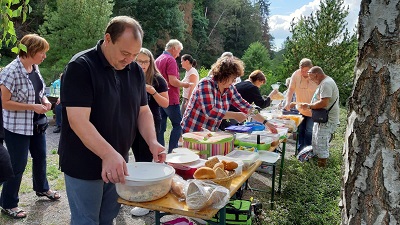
(169, 204)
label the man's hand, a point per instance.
(158, 152)
(114, 168)
(304, 106)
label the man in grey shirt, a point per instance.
(326, 96)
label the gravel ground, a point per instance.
(42, 211)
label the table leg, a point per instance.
(157, 217)
(297, 143)
(273, 186)
(282, 164)
(222, 216)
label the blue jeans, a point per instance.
(91, 202)
(58, 109)
(18, 146)
(174, 114)
(305, 132)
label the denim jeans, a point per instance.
(91, 201)
(18, 146)
(174, 114)
(58, 109)
(305, 130)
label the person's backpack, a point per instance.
(237, 212)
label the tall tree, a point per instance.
(73, 26)
(265, 29)
(324, 38)
(371, 184)
(161, 20)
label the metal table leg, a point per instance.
(282, 164)
(157, 217)
(273, 186)
(296, 150)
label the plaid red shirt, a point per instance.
(207, 106)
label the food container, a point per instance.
(248, 158)
(186, 170)
(147, 181)
(209, 143)
(259, 141)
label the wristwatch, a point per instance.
(265, 121)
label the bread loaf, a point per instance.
(230, 165)
(220, 172)
(219, 165)
(204, 173)
(211, 162)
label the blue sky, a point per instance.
(283, 11)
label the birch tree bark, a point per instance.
(371, 170)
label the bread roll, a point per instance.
(204, 173)
(211, 162)
(219, 165)
(230, 165)
(220, 172)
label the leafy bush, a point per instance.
(256, 57)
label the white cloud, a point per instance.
(280, 24)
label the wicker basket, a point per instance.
(225, 181)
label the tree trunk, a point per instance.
(371, 170)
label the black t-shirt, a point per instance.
(1, 121)
(37, 86)
(161, 86)
(114, 96)
(250, 93)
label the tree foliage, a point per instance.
(10, 10)
(256, 57)
(160, 20)
(73, 26)
(324, 38)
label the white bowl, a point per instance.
(147, 181)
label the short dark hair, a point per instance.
(227, 67)
(257, 75)
(34, 44)
(119, 24)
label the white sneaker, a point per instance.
(137, 211)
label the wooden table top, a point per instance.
(170, 204)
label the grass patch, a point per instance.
(310, 195)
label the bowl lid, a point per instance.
(149, 171)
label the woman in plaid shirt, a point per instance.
(24, 103)
(214, 94)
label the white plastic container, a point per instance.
(147, 181)
(248, 158)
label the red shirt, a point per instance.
(167, 65)
(207, 106)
